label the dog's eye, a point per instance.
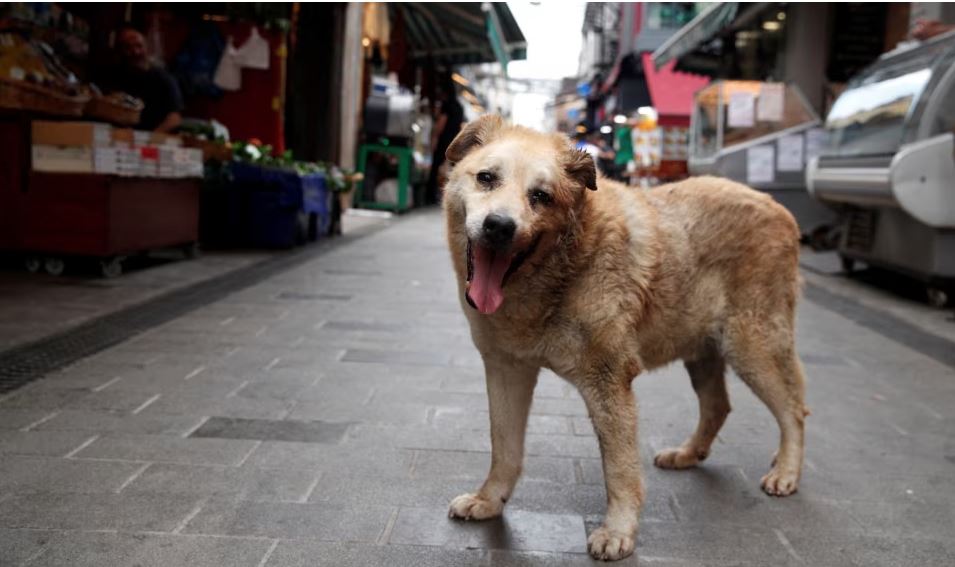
(542, 197)
(485, 177)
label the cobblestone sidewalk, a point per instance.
(327, 415)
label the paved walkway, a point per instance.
(327, 415)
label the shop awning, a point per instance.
(701, 29)
(671, 91)
(459, 33)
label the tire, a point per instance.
(32, 264)
(111, 267)
(936, 297)
(848, 265)
(54, 266)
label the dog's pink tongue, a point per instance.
(486, 290)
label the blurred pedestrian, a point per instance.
(588, 139)
(447, 124)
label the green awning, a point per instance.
(460, 33)
(700, 30)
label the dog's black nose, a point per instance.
(499, 230)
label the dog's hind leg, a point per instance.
(707, 373)
(510, 390)
(764, 356)
(613, 411)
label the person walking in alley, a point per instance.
(446, 126)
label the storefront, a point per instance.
(90, 178)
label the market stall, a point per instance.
(78, 184)
(760, 134)
(890, 165)
(93, 174)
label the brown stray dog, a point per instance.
(602, 285)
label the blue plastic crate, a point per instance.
(285, 208)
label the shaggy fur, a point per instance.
(621, 281)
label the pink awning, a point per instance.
(671, 91)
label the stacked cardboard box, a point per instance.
(179, 162)
(91, 147)
(67, 146)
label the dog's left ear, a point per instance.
(476, 133)
(580, 167)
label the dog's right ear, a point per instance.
(476, 133)
(580, 167)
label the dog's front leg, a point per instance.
(510, 389)
(613, 412)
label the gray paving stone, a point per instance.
(711, 543)
(291, 521)
(299, 553)
(112, 400)
(422, 358)
(333, 459)
(379, 326)
(64, 511)
(271, 430)
(515, 530)
(460, 418)
(32, 397)
(419, 437)
(169, 449)
(352, 491)
(868, 550)
(279, 387)
(22, 474)
(931, 516)
(48, 443)
(390, 413)
(119, 423)
(474, 466)
(591, 471)
(75, 549)
(544, 559)
(18, 546)
(876, 490)
(236, 406)
(244, 483)
(561, 446)
(19, 418)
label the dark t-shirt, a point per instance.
(157, 89)
(455, 112)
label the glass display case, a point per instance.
(760, 134)
(890, 162)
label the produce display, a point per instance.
(32, 77)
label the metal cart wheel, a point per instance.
(936, 297)
(54, 266)
(848, 265)
(111, 267)
(33, 264)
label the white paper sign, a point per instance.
(769, 107)
(760, 164)
(789, 154)
(741, 110)
(817, 140)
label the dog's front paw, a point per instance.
(677, 458)
(609, 545)
(780, 481)
(474, 507)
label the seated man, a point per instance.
(138, 76)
